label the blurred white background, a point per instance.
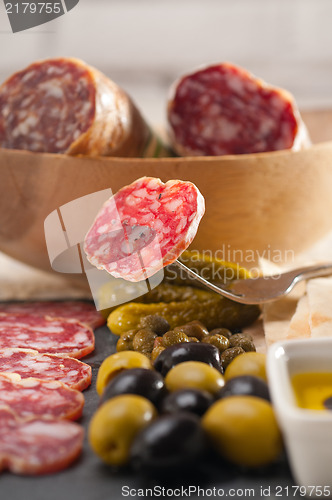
(145, 44)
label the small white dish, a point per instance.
(307, 433)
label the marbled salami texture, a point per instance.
(63, 105)
(224, 110)
(32, 397)
(82, 311)
(164, 216)
(46, 335)
(41, 107)
(37, 446)
(28, 363)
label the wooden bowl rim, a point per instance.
(170, 160)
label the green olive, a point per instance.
(158, 349)
(115, 425)
(194, 375)
(118, 362)
(244, 430)
(247, 363)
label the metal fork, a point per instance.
(262, 289)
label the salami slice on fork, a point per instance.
(144, 227)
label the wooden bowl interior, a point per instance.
(255, 204)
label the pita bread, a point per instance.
(277, 315)
(299, 325)
(320, 307)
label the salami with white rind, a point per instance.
(224, 110)
(28, 363)
(144, 227)
(37, 446)
(46, 335)
(33, 397)
(71, 309)
(66, 106)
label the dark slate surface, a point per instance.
(89, 479)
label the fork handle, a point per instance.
(218, 289)
(305, 273)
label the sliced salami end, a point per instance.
(28, 363)
(37, 446)
(66, 106)
(71, 309)
(33, 397)
(46, 335)
(151, 221)
(224, 110)
(47, 106)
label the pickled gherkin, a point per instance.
(215, 270)
(166, 292)
(180, 303)
(212, 310)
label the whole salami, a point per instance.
(144, 227)
(224, 110)
(66, 106)
(28, 363)
(71, 309)
(46, 335)
(37, 446)
(33, 397)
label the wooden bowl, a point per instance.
(265, 204)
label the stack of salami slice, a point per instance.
(40, 382)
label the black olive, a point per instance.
(328, 403)
(187, 351)
(140, 381)
(245, 385)
(169, 442)
(236, 330)
(192, 400)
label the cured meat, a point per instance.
(32, 397)
(45, 335)
(37, 446)
(224, 110)
(144, 227)
(72, 309)
(28, 363)
(65, 106)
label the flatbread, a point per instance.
(299, 325)
(320, 307)
(277, 315)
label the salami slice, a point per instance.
(28, 363)
(45, 335)
(32, 397)
(37, 446)
(71, 309)
(224, 110)
(66, 106)
(144, 227)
